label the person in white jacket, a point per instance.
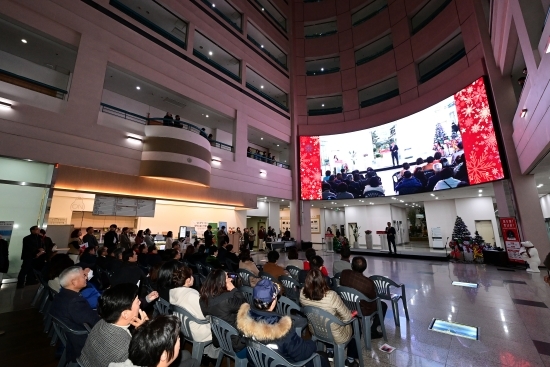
(184, 296)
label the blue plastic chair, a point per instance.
(263, 356)
(383, 285)
(186, 318)
(352, 299)
(223, 332)
(286, 306)
(321, 322)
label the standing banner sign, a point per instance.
(6, 229)
(512, 241)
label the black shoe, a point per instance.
(330, 355)
(32, 282)
(376, 335)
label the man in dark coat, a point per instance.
(208, 236)
(32, 248)
(355, 279)
(129, 272)
(394, 154)
(89, 238)
(4, 257)
(111, 238)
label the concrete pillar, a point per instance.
(295, 224)
(274, 216)
(240, 137)
(305, 229)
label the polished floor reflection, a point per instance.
(510, 308)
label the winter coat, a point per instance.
(188, 298)
(276, 332)
(4, 256)
(333, 304)
(225, 306)
(251, 267)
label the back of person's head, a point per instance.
(370, 174)
(317, 262)
(331, 178)
(113, 226)
(115, 300)
(438, 167)
(165, 274)
(310, 254)
(117, 253)
(356, 177)
(264, 293)
(419, 161)
(152, 248)
(407, 174)
(155, 341)
(327, 173)
(437, 156)
(140, 233)
(68, 275)
(406, 165)
(58, 263)
(104, 251)
(272, 256)
(245, 255)
(293, 253)
(359, 264)
(315, 287)
(374, 181)
(325, 186)
(74, 233)
(342, 187)
(229, 248)
(430, 159)
(444, 162)
(180, 276)
(127, 255)
(190, 250)
(446, 173)
(142, 248)
(202, 249)
(214, 285)
(460, 146)
(154, 272)
(345, 253)
(169, 234)
(212, 250)
(42, 232)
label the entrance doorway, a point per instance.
(485, 230)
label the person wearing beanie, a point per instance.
(275, 331)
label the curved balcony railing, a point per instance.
(380, 98)
(325, 71)
(119, 112)
(262, 158)
(264, 10)
(266, 96)
(325, 111)
(321, 34)
(429, 18)
(364, 60)
(371, 15)
(266, 52)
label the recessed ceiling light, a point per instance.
(523, 113)
(432, 194)
(480, 191)
(262, 9)
(262, 138)
(138, 87)
(436, 198)
(323, 105)
(210, 53)
(480, 195)
(322, 69)
(548, 47)
(213, 5)
(282, 199)
(24, 40)
(262, 46)
(206, 116)
(261, 86)
(277, 144)
(540, 185)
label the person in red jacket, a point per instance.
(310, 254)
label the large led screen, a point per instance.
(450, 144)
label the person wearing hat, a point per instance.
(530, 254)
(275, 331)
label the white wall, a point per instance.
(440, 213)
(371, 217)
(400, 214)
(29, 69)
(223, 137)
(480, 208)
(261, 211)
(545, 205)
(274, 218)
(330, 217)
(64, 203)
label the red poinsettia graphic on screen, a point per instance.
(478, 134)
(310, 168)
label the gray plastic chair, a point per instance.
(248, 294)
(186, 318)
(336, 281)
(294, 271)
(245, 276)
(263, 356)
(321, 322)
(39, 291)
(162, 306)
(352, 298)
(265, 275)
(223, 332)
(47, 307)
(61, 331)
(292, 287)
(383, 285)
(286, 306)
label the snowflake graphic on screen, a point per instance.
(480, 166)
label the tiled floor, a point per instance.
(509, 307)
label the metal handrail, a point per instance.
(266, 51)
(269, 98)
(444, 65)
(261, 158)
(283, 27)
(119, 112)
(431, 17)
(325, 71)
(322, 34)
(208, 60)
(364, 60)
(36, 82)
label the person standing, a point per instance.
(89, 238)
(390, 234)
(221, 235)
(251, 238)
(394, 154)
(261, 238)
(208, 236)
(169, 238)
(110, 239)
(4, 258)
(125, 239)
(32, 248)
(246, 238)
(148, 239)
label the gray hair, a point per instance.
(69, 274)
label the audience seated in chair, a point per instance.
(247, 263)
(293, 258)
(276, 331)
(340, 265)
(88, 257)
(310, 254)
(165, 276)
(316, 262)
(327, 193)
(129, 272)
(435, 178)
(408, 185)
(271, 266)
(447, 181)
(373, 185)
(114, 260)
(343, 191)
(354, 278)
(72, 309)
(157, 344)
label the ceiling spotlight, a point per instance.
(480, 191)
(323, 105)
(24, 40)
(263, 9)
(261, 86)
(540, 185)
(213, 5)
(261, 138)
(322, 69)
(548, 47)
(210, 53)
(262, 46)
(432, 194)
(138, 87)
(134, 139)
(523, 113)
(480, 195)
(436, 198)
(282, 199)
(263, 172)
(277, 144)
(206, 116)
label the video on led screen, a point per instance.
(450, 144)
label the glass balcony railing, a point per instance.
(374, 56)
(119, 112)
(324, 111)
(323, 72)
(368, 12)
(30, 84)
(262, 158)
(428, 13)
(380, 98)
(321, 34)
(268, 8)
(216, 10)
(213, 63)
(271, 56)
(266, 96)
(444, 65)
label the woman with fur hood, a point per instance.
(271, 329)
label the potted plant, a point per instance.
(368, 238)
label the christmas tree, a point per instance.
(440, 136)
(461, 232)
(478, 239)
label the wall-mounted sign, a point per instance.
(512, 241)
(124, 207)
(316, 224)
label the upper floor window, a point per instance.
(373, 50)
(379, 92)
(266, 45)
(368, 11)
(323, 66)
(427, 13)
(216, 56)
(156, 17)
(441, 58)
(324, 105)
(272, 12)
(227, 11)
(320, 29)
(266, 89)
